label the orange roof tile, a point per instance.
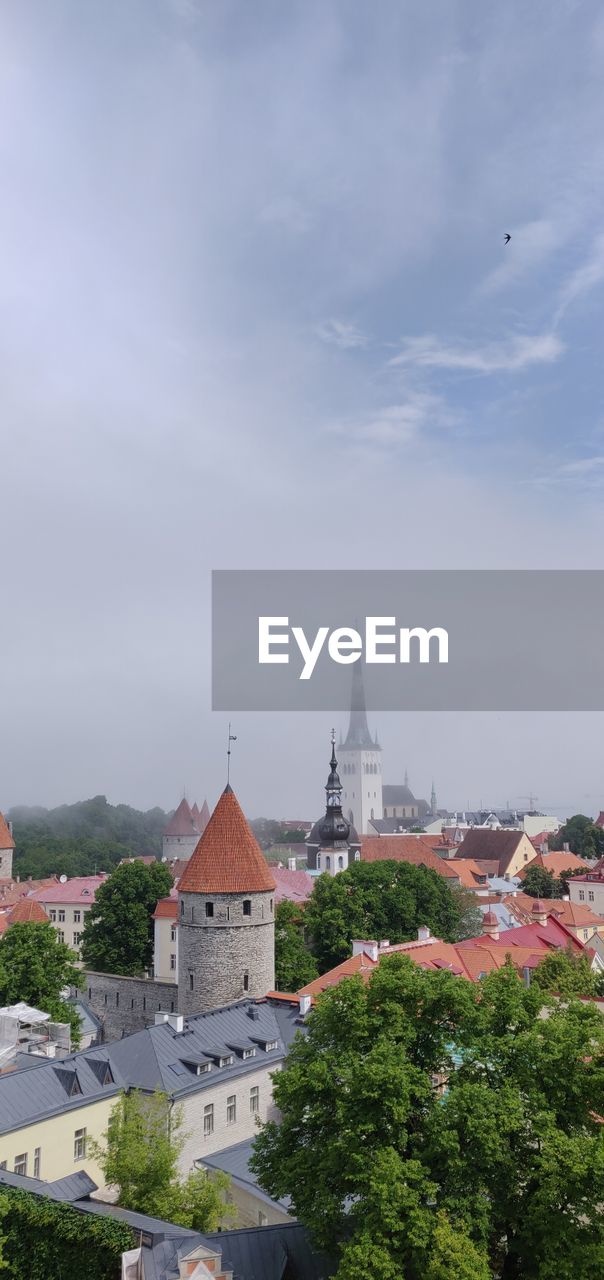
(362, 964)
(6, 840)
(572, 914)
(557, 862)
(28, 911)
(166, 909)
(228, 858)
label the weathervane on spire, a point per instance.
(232, 738)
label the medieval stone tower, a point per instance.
(7, 846)
(226, 935)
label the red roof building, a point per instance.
(26, 911)
(557, 862)
(228, 858)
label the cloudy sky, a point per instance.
(254, 304)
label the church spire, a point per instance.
(334, 829)
(358, 735)
(433, 805)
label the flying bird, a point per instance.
(507, 237)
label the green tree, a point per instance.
(567, 973)
(36, 967)
(381, 900)
(540, 883)
(446, 1122)
(582, 835)
(139, 1157)
(294, 964)
(78, 838)
(118, 931)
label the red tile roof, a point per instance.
(28, 911)
(6, 840)
(182, 822)
(469, 959)
(228, 858)
(491, 844)
(295, 886)
(77, 890)
(572, 914)
(556, 862)
(421, 851)
(167, 908)
(12, 891)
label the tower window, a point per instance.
(247, 906)
(246, 981)
(209, 910)
(190, 982)
(328, 863)
(182, 908)
(271, 904)
(340, 863)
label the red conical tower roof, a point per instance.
(181, 823)
(6, 840)
(228, 858)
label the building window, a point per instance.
(21, 1164)
(271, 904)
(262, 1218)
(60, 935)
(61, 915)
(173, 933)
(340, 862)
(144, 1003)
(53, 916)
(357, 855)
(328, 863)
(208, 1120)
(271, 1044)
(173, 962)
(255, 1099)
(37, 1160)
(190, 982)
(246, 981)
(79, 1144)
(590, 895)
(76, 938)
(117, 999)
(247, 906)
(231, 1108)
(105, 997)
(249, 1053)
(581, 895)
(182, 909)
(2, 1164)
(77, 916)
(586, 934)
(209, 909)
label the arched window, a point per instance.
(340, 863)
(328, 863)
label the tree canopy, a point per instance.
(139, 1158)
(36, 967)
(118, 930)
(384, 900)
(294, 964)
(582, 835)
(540, 883)
(432, 1127)
(78, 839)
(568, 973)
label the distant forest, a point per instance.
(77, 839)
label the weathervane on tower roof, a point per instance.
(232, 738)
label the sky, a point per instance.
(256, 311)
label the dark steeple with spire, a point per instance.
(333, 830)
(358, 735)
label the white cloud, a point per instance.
(340, 334)
(585, 278)
(398, 424)
(516, 353)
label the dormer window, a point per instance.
(227, 1061)
(248, 1053)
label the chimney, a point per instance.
(490, 925)
(539, 912)
(566, 846)
(359, 945)
(305, 1003)
(423, 933)
(291, 864)
(176, 1020)
(384, 943)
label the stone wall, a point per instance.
(124, 1005)
(227, 955)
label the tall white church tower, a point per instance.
(360, 759)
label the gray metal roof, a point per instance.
(269, 1253)
(235, 1161)
(151, 1059)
